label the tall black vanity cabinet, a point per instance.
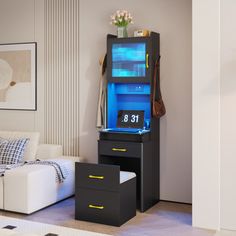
(131, 136)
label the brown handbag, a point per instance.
(158, 106)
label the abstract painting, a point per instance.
(18, 76)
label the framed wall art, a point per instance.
(18, 76)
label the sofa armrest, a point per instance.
(48, 151)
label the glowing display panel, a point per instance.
(130, 99)
(129, 60)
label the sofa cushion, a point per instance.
(31, 149)
(47, 151)
(12, 151)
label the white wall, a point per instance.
(23, 21)
(214, 129)
(228, 114)
(206, 113)
(173, 20)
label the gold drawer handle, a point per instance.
(96, 207)
(96, 177)
(119, 149)
(147, 60)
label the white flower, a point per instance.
(121, 18)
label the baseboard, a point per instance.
(185, 203)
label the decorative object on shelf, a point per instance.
(121, 18)
(141, 33)
(18, 76)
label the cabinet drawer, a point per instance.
(94, 176)
(97, 206)
(122, 149)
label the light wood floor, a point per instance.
(164, 219)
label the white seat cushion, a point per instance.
(125, 176)
(31, 148)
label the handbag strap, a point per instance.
(155, 78)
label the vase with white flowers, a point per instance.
(121, 18)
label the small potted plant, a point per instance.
(121, 18)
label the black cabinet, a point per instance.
(130, 138)
(140, 67)
(141, 158)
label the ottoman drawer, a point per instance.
(122, 149)
(98, 206)
(101, 177)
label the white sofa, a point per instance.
(29, 188)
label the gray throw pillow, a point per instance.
(2, 140)
(12, 151)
